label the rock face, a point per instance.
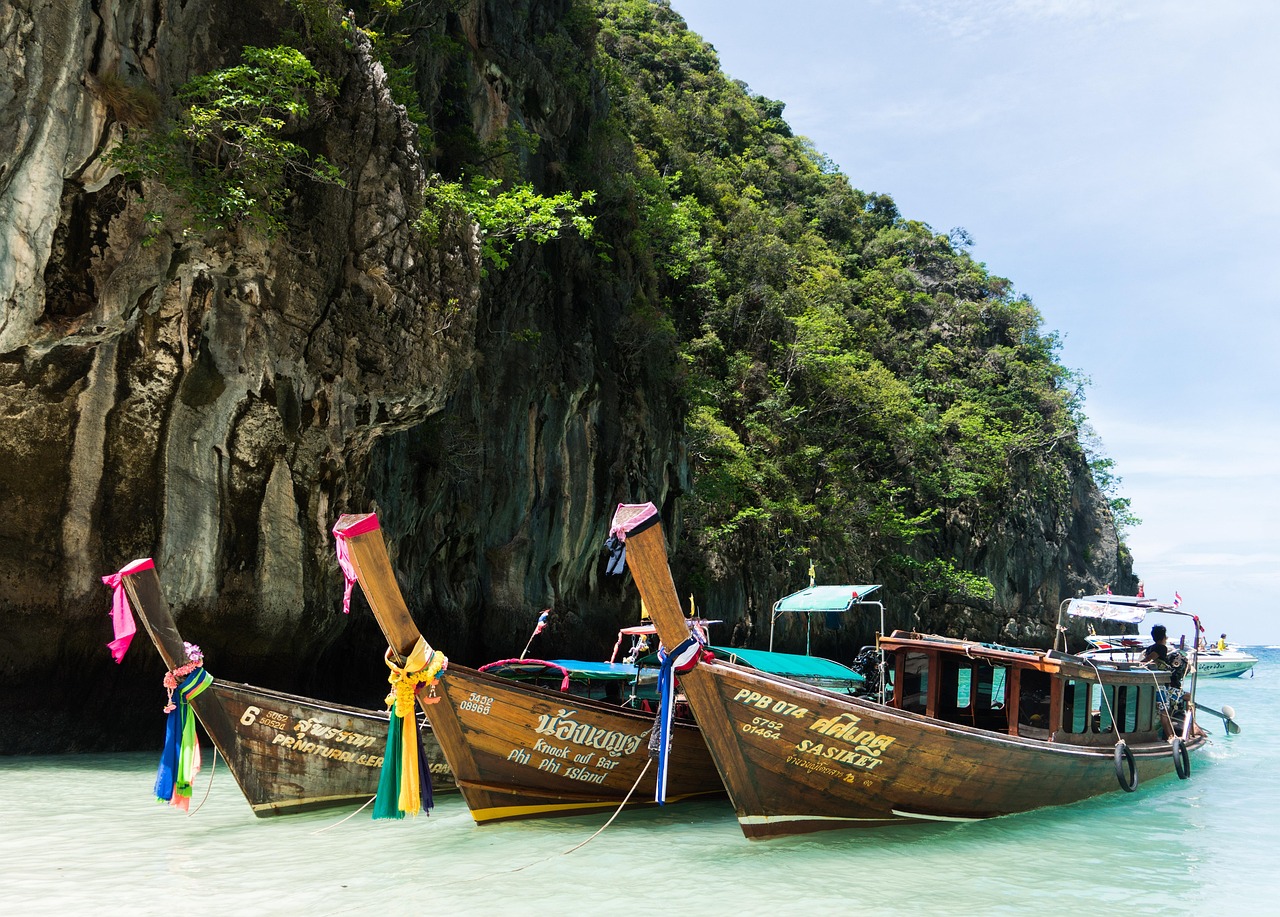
(216, 400)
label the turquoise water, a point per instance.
(79, 834)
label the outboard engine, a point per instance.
(867, 664)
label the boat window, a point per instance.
(915, 682)
(1106, 708)
(1127, 710)
(1075, 705)
(1146, 708)
(991, 682)
(964, 692)
(1034, 692)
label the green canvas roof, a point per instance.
(789, 665)
(824, 598)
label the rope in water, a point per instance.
(366, 805)
(625, 799)
(545, 859)
(209, 786)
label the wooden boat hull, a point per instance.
(291, 754)
(519, 751)
(287, 753)
(522, 751)
(797, 759)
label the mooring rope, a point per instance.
(545, 859)
(209, 786)
(625, 800)
(352, 815)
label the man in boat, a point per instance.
(1222, 644)
(1159, 653)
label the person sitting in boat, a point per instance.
(1159, 653)
(1222, 644)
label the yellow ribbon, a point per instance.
(423, 666)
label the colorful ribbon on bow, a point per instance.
(368, 524)
(680, 660)
(180, 759)
(121, 614)
(405, 782)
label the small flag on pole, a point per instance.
(537, 629)
(1177, 599)
(1108, 589)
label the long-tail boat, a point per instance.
(287, 753)
(515, 749)
(963, 730)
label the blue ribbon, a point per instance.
(175, 725)
(666, 711)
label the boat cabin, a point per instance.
(1035, 694)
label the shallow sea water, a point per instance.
(81, 834)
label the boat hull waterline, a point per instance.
(521, 751)
(796, 759)
(287, 753)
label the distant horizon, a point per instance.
(1120, 167)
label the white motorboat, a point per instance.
(1210, 662)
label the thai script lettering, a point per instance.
(845, 728)
(318, 730)
(563, 727)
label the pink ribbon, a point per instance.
(121, 613)
(630, 515)
(343, 530)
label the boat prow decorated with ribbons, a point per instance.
(518, 750)
(287, 753)
(958, 730)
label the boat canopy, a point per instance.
(824, 599)
(1128, 609)
(789, 665)
(1125, 609)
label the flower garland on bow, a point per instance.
(404, 786)
(180, 758)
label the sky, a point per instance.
(1120, 164)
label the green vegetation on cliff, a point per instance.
(853, 378)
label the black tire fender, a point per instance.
(1181, 760)
(1126, 768)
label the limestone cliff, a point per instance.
(216, 399)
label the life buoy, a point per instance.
(1181, 760)
(1125, 763)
